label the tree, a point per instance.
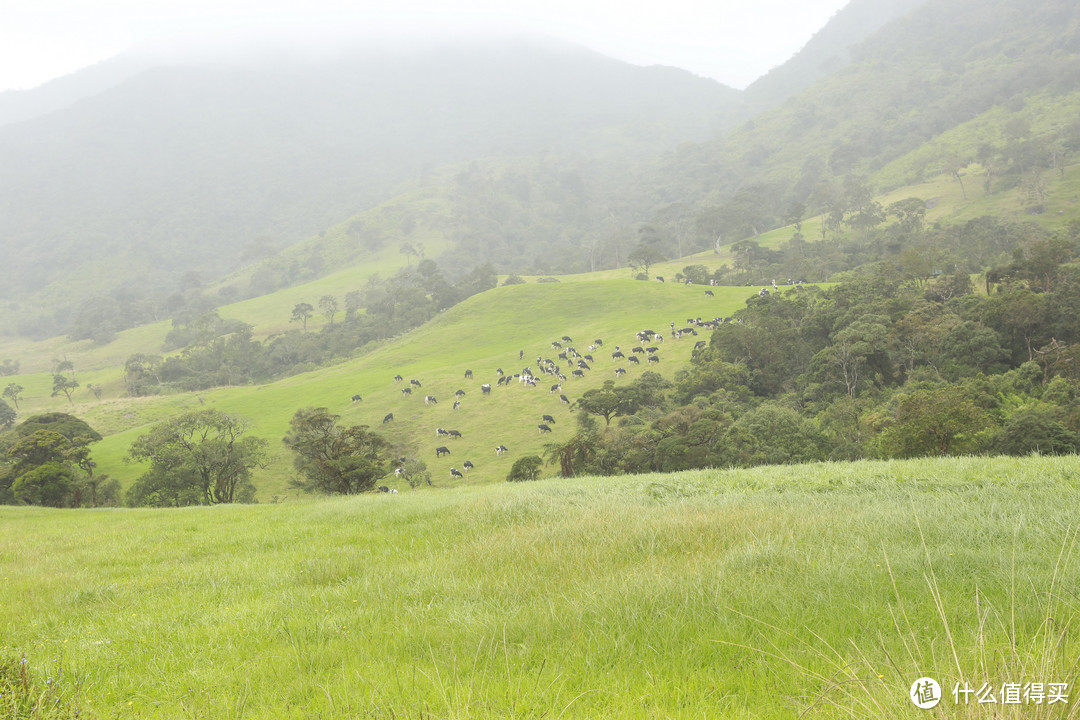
(942, 421)
(331, 458)
(301, 312)
(49, 460)
(12, 392)
(202, 457)
(7, 416)
(62, 384)
(643, 257)
(526, 468)
(329, 306)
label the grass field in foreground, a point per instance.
(717, 594)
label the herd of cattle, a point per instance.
(567, 364)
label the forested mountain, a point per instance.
(536, 157)
(940, 67)
(174, 170)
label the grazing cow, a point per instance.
(563, 355)
(454, 472)
(440, 451)
(440, 431)
(637, 350)
(430, 400)
(578, 373)
(556, 344)
(521, 354)
(406, 391)
(620, 371)
(598, 342)
(654, 358)
(589, 358)
(460, 393)
(356, 398)
(485, 389)
(617, 354)
(398, 378)
(543, 428)
(383, 488)
(388, 418)
(468, 465)
(548, 418)
(651, 350)
(500, 449)
(414, 382)
(566, 338)
(564, 399)
(398, 472)
(468, 374)
(454, 433)
(499, 371)
(660, 278)
(709, 293)
(583, 365)
(633, 359)
(555, 388)
(457, 404)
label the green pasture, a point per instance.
(483, 334)
(801, 591)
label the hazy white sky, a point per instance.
(733, 41)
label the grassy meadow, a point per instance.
(767, 593)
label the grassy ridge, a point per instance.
(647, 596)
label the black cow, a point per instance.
(578, 373)
(638, 350)
(543, 428)
(415, 383)
(406, 391)
(468, 466)
(460, 393)
(651, 349)
(440, 451)
(633, 359)
(709, 293)
(660, 278)
(356, 398)
(617, 354)
(388, 418)
(468, 374)
(548, 418)
(398, 378)
(583, 365)
(620, 371)
(598, 342)
(654, 358)
(566, 338)
(565, 399)
(454, 433)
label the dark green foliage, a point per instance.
(334, 459)
(525, 468)
(46, 461)
(7, 416)
(1037, 430)
(941, 421)
(196, 458)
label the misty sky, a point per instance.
(733, 41)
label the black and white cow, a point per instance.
(454, 472)
(500, 449)
(356, 398)
(548, 418)
(468, 465)
(430, 400)
(440, 451)
(485, 389)
(543, 428)
(564, 399)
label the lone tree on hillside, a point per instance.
(331, 458)
(198, 458)
(301, 313)
(329, 306)
(12, 392)
(643, 257)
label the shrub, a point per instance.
(526, 468)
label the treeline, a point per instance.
(888, 364)
(220, 352)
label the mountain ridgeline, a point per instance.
(534, 156)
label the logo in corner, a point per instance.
(925, 693)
